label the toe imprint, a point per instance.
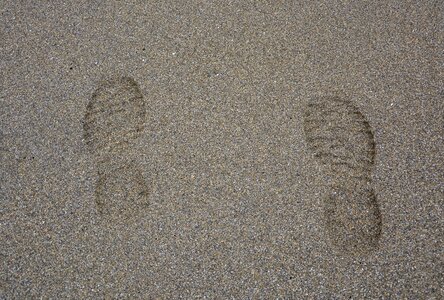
(114, 116)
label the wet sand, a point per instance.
(242, 150)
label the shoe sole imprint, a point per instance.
(114, 118)
(342, 142)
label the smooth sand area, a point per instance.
(222, 149)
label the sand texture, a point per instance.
(222, 149)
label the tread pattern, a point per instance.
(114, 118)
(342, 142)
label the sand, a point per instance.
(160, 150)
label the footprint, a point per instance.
(114, 119)
(341, 140)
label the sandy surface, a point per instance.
(234, 197)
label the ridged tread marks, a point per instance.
(114, 118)
(342, 142)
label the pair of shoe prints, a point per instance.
(336, 133)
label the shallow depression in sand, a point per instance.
(341, 140)
(114, 119)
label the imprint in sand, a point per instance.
(114, 119)
(341, 140)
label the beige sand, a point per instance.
(227, 199)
